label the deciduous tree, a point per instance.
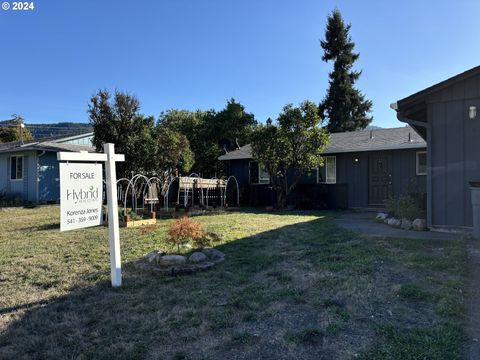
(14, 130)
(210, 133)
(118, 121)
(291, 147)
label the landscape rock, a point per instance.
(382, 216)
(419, 224)
(394, 222)
(213, 253)
(197, 257)
(406, 224)
(154, 256)
(168, 260)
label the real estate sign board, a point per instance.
(81, 186)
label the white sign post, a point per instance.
(80, 186)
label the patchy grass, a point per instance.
(293, 286)
(413, 292)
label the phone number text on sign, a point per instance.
(81, 192)
(18, 5)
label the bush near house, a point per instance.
(409, 206)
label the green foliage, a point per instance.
(191, 125)
(406, 206)
(344, 106)
(12, 130)
(209, 132)
(119, 122)
(292, 146)
(148, 149)
(173, 150)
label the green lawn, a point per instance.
(293, 285)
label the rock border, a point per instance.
(404, 224)
(151, 263)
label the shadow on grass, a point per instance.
(265, 301)
(44, 227)
(149, 313)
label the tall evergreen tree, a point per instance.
(344, 107)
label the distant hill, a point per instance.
(373, 127)
(66, 129)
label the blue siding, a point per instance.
(3, 173)
(25, 188)
(352, 176)
(48, 177)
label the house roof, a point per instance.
(413, 109)
(356, 141)
(17, 146)
(420, 95)
(73, 137)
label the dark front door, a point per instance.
(380, 179)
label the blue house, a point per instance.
(362, 169)
(30, 170)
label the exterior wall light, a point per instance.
(472, 112)
(356, 159)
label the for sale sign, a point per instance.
(80, 195)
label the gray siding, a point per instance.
(455, 152)
(355, 174)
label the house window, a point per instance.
(16, 168)
(421, 163)
(258, 173)
(328, 172)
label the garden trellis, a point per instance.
(142, 192)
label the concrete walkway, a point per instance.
(365, 223)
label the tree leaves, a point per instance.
(344, 107)
(291, 147)
(149, 149)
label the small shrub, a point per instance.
(184, 230)
(407, 206)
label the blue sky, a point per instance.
(194, 54)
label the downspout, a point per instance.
(38, 173)
(428, 128)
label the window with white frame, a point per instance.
(421, 163)
(16, 168)
(258, 173)
(327, 173)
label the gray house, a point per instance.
(362, 169)
(29, 170)
(447, 116)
